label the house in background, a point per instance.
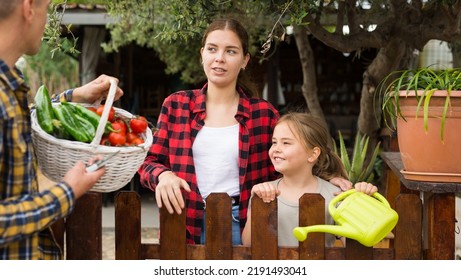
(145, 83)
(139, 70)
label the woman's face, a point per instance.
(287, 153)
(223, 57)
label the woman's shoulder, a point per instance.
(192, 97)
(258, 101)
(258, 107)
(186, 93)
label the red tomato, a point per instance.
(92, 109)
(130, 137)
(137, 141)
(122, 123)
(138, 125)
(117, 139)
(111, 112)
(119, 128)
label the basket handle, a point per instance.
(105, 114)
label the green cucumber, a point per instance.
(93, 117)
(71, 124)
(44, 109)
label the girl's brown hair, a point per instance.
(233, 25)
(312, 133)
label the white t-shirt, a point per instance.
(215, 152)
(288, 215)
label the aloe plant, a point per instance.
(358, 169)
(424, 82)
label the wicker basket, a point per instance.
(57, 156)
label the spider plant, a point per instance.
(359, 169)
(423, 82)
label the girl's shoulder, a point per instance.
(327, 189)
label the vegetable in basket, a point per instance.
(71, 124)
(138, 124)
(59, 131)
(93, 117)
(45, 114)
(75, 122)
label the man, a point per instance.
(25, 212)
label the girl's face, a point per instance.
(287, 153)
(223, 57)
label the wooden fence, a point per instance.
(426, 228)
(406, 244)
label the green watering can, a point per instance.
(367, 219)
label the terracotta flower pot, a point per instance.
(424, 155)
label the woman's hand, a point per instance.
(268, 192)
(168, 192)
(341, 183)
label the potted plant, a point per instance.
(358, 167)
(424, 105)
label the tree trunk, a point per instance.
(455, 47)
(309, 87)
(395, 55)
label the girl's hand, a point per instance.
(365, 187)
(266, 191)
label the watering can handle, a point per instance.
(343, 195)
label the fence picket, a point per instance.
(172, 235)
(264, 244)
(312, 212)
(127, 226)
(85, 242)
(408, 232)
(218, 242)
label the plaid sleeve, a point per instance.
(156, 160)
(26, 215)
(63, 96)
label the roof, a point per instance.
(85, 14)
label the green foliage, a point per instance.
(423, 82)
(81, 1)
(174, 28)
(360, 169)
(58, 73)
(53, 32)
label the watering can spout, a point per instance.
(301, 232)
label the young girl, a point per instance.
(301, 154)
